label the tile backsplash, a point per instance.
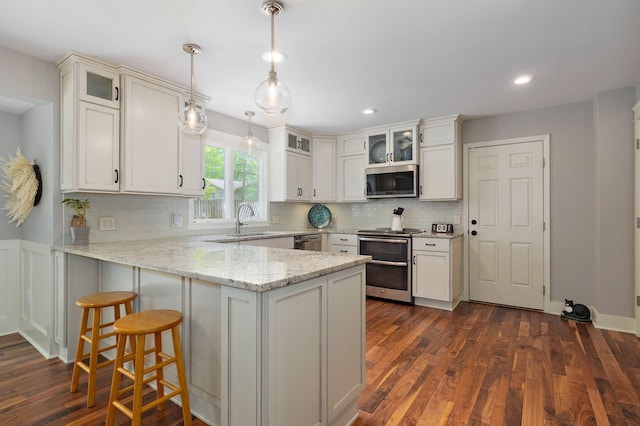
(145, 217)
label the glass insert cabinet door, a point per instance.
(377, 146)
(99, 86)
(403, 144)
(298, 143)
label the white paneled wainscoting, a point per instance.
(27, 290)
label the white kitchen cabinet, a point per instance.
(441, 159)
(352, 161)
(437, 271)
(392, 145)
(150, 137)
(343, 243)
(124, 138)
(324, 170)
(89, 125)
(297, 141)
(191, 164)
(290, 172)
(315, 345)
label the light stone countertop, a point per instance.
(253, 268)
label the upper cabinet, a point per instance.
(90, 125)
(393, 145)
(99, 85)
(324, 169)
(441, 159)
(119, 132)
(298, 142)
(352, 160)
(290, 167)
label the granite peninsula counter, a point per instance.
(271, 336)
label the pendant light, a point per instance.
(250, 142)
(272, 96)
(192, 119)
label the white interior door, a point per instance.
(506, 224)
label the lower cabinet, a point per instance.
(343, 243)
(306, 352)
(437, 272)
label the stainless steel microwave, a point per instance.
(392, 181)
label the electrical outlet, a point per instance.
(275, 219)
(176, 220)
(107, 223)
(456, 219)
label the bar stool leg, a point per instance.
(160, 371)
(139, 380)
(115, 381)
(182, 381)
(80, 350)
(93, 357)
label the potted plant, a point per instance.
(79, 228)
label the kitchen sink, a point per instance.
(234, 237)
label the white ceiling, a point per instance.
(407, 58)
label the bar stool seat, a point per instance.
(140, 325)
(94, 304)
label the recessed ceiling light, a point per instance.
(277, 56)
(369, 111)
(523, 79)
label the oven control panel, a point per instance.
(442, 228)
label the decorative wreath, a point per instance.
(23, 183)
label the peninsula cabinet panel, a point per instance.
(297, 327)
(204, 348)
(150, 137)
(345, 341)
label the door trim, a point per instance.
(548, 306)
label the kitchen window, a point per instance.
(232, 176)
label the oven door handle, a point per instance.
(384, 240)
(388, 263)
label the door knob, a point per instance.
(474, 232)
(474, 222)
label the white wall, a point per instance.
(583, 162)
(10, 139)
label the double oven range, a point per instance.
(389, 271)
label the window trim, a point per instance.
(229, 143)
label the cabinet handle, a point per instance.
(430, 244)
(204, 183)
(314, 192)
(414, 259)
(420, 189)
(421, 140)
(343, 239)
(301, 192)
(391, 156)
(387, 157)
(117, 176)
(364, 145)
(180, 181)
(344, 251)
(117, 93)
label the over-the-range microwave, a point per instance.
(392, 181)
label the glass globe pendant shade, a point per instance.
(273, 96)
(192, 119)
(250, 143)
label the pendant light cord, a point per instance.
(192, 81)
(273, 44)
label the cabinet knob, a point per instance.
(474, 232)
(474, 222)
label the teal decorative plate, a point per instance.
(319, 216)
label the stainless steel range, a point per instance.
(389, 271)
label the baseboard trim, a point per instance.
(613, 322)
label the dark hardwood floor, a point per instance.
(478, 365)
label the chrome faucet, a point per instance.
(238, 223)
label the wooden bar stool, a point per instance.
(94, 334)
(139, 325)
